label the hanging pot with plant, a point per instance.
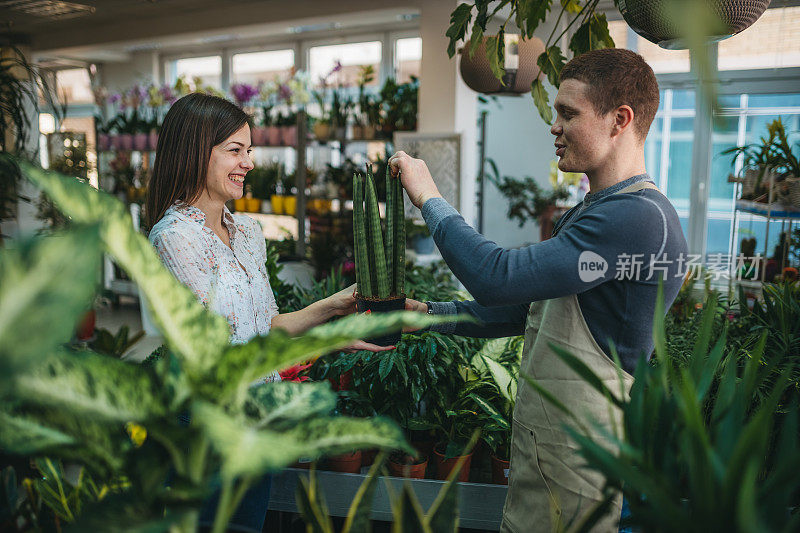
(520, 66)
(380, 271)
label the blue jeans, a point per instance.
(249, 516)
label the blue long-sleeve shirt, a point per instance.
(618, 230)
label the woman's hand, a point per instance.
(342, 303)
(364, 345)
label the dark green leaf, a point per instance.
(541, 100)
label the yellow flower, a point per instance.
(137, 433)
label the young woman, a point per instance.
(202, 158)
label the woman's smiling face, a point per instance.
(230, 161)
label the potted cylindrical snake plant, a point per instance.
(380, 260)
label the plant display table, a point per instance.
(480, 505)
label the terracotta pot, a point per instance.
(358, 131)
(369, 132)
(349, 463)
(85, 329)
(152, 140)
(273, 136)
(277, 204)
(103, 142)
(116, 142)
(382, 306)
(140, 142)
(289, 135)
(408, 470)
(126, 141)
(500, 469)
(368, 457)
(259, 136)
(445, 466)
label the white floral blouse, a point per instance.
(232, 282)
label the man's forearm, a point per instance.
(492, 322)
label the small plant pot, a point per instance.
(364, 305)
(445, 466)
(152, 140)
(277, 204)
(126, 142)
(369, 132)
(410, 469)
(259, 135)
(289, 205)
(368, 457)
(240, 205)
(116, 142)
(289, 135)
(252, 205)
(141, 142)
(349, 463)
(500, 469)
(103, 142)
(322, 132)
(273, 136)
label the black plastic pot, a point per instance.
(382, 306)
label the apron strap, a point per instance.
(638, 186)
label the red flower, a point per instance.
(293, 373)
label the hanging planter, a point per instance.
(519, 62)
(380, 271)
(650, 19)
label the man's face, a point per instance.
(583, 139)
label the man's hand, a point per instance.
(414, 305)
(416, 178)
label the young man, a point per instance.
(591, 288)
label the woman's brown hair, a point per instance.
(192, 127)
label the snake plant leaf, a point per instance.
(92, 386)
(23, 436)
(248, 451)
(408, 514)
(192, 332)
(311, 506)
(288, 401)
(358, 516)
(44, 287)
(363, 275)
(376, 253)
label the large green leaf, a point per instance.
(503, 378)
(286, 401)
(358, 516)
(495, 53)
(93, 386)
(591, 35)
(551, 61)
(22, 436)
(192, 332)
(459, 20)
(247, 451)
(45, 284)
(542, 101)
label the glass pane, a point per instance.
(661, 100)
(662, 60)
(74, 84)
(257, 67)
(408, 56)
(755, 226)
(769, 43)
(679, 171)
(323, 59)
(718, 236)
(774, 100)
(757, 126)
(683, 99)
(652, 149)
(729, 101)
(724, 136)
(208, 69)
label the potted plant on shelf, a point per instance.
(380, 271)
(771, 158)
(399, 106)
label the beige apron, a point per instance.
(549, 488)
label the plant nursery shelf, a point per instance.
(774, 210)
(480, 506)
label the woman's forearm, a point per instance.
(298, 322)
